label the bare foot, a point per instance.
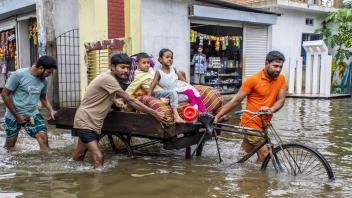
(179, 120)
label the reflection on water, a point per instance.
(323, 124)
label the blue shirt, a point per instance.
(25, 92)
(200, 63)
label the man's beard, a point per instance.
(273, 75)
(123, 77)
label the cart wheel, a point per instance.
(118, 143)
(299, 160)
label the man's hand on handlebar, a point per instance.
(265, 110)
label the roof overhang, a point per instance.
(225, 14)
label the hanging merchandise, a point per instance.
(227, 41)
(2, 53)
(220, 42)
(193, 37)
(12, 49)
(223, 44)
(217, 44)
(33, 32)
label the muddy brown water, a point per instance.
(323, 124)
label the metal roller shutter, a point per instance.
(255, 48)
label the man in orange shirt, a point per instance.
(265, 91)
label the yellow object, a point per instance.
(217, 44)
(93, 24)
(133, 23)
(141, 83)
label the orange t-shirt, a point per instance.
(261, 92)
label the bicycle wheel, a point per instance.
(299, 160)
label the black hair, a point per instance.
(163, 51)
(47, 62)
(120, 59)
(142, 55)
(274, 56)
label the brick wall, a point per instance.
(116, 19)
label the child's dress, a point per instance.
(170, 82)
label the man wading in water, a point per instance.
(100, 95)
(22, 92)
(265, 91)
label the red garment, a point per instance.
(194, 100)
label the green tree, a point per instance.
(336, 31)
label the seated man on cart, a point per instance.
(101, 93)
(265, 91)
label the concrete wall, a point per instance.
(67, 41)
(66, 16)
(287, 33)
(133, 23)
(10, 5)
(23, 44)
(165, 24)
(93, 25)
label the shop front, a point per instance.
(18, 44)
(235, 43)
(235, 39)
(223, 49)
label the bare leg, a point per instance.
(177, 117)
(11, 141)
(80, 151)
(42, 139)
(97, 156)
(262, 153)
(249, 148)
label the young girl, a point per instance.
(173, 82)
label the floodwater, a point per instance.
(323, 124)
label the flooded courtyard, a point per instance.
(322, 124)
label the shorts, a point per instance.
(254, 140)
(87, 135)
(12, 127)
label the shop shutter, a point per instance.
(7, 24)
(256, 48)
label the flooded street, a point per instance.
(322, 124)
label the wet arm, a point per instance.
(5, 95)
(155, 81)
(45, 102)
(235, 101)
(279, 102)
(136, 104)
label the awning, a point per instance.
(224, 14)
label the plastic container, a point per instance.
(190, 113)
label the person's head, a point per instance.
(143, 60)
(273, 64)
(200, 49)
(120, 64)
(166, 57)
(45, 66)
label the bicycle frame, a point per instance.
(267, 128)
